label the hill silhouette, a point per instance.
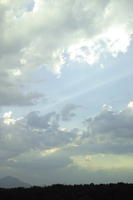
(12, 182)
(119, 191)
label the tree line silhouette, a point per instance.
(110, 191)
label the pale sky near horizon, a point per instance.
(66, 90)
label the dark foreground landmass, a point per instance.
(71, 192)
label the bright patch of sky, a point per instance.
(81, 84)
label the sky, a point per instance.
(66, 96)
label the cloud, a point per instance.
(67, 112)
(38, 160)
(13, 91)
(109, 132)
(112, 123)
(84, 30)
(51, 33)
(43, 122)
(102, 162)
(36, 141)
(33, 132)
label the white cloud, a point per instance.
(40, 36)
(130, 105)
(102, 162)
(7, 118)
(49, 151)
(16, 72)
(107, 107)
(39, 32)
(117, 39)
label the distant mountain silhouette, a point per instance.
(12, 182)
